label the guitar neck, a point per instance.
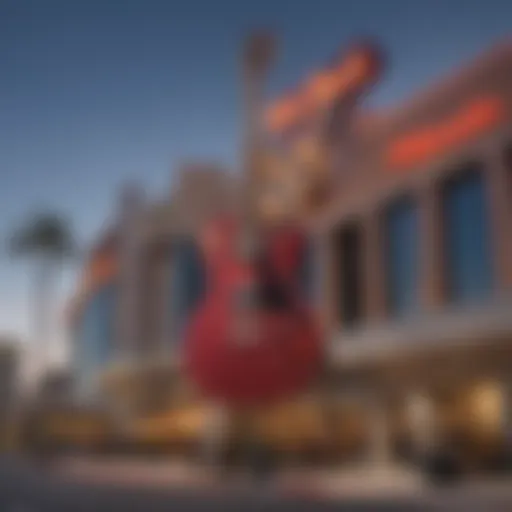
(256, 59)
(251, 150)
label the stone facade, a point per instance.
(432, 352)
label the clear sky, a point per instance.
(93, 92)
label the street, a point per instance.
(26, 488)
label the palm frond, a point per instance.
(45, 234)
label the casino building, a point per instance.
(412, 276)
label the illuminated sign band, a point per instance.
(473, 119)
(359, 67)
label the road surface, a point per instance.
(25, 488)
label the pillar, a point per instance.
(506, 419)
(130, 293)
(379, 448)
(215, 435)
(431, 247)
(373, 254)
(421, 420)
(165, 342)
(499, 184)
(324, 277)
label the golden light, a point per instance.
(80, 429)
(291, 424)
(487, 406)
(177, 424)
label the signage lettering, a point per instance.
(470, 121)
(355, 71)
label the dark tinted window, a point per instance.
(401, 239)
(467, 242)
(187, 282)
(348, 272)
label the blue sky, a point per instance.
(95, 92)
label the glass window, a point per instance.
(468, 261)
(401, 238)
(348, 272)
(95, 334)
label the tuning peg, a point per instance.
(260, 49)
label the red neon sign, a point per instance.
(321, 90)
(473, 119)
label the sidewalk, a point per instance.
(348, 483)
(158, 474)
(361, 482)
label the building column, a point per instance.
(500, 203)
(421, 420)
(324, 278)
(506, 418)
(374, 275)
(215, 435)
(431, 247)
(379, 449)
(163, 303)
(130, 296)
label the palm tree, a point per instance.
(46, 239)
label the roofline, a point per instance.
(487, 60)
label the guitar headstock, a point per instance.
(313, 121)
(259, 51)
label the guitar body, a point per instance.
(283, 351)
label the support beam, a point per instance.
(421, 419)
(431, 247)
(215, 435)
(374, 278)
(500, 203)
(379, 447)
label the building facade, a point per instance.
(141, 283)
(10, 371)
(412, 270)
(417, 254)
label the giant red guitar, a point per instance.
(252, 339)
